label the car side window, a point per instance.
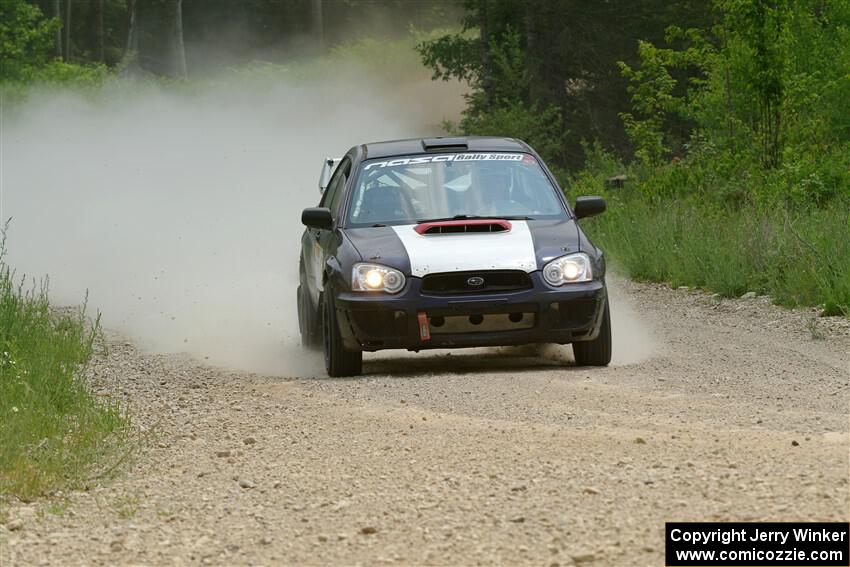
(328, 195)
(336, 188)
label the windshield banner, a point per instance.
(444, 157)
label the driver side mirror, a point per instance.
(589, 206)
(317, 217)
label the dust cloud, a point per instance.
(632, 338)
(179, 209)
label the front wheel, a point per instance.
(598, 351)
(339, 361)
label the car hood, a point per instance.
(527, 246)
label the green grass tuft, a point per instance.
(53, 431)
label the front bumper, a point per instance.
(561, 315)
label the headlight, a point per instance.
(568, 269)
(374, 277)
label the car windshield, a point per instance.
(406, 190)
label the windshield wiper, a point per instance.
(456, 217)
(468, 217)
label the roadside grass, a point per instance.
(730, 231)
(799, 259)
(54, 433)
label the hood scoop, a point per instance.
(463, 226)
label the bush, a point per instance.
(26, 39)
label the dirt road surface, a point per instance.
(740, 412)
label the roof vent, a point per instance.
(442, 144)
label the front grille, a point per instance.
(494, 281)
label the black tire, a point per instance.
(308, 322)
(339, 361)
(598, 351)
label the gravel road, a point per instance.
(738, 412)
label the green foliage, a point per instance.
(25, 39)
(502, 109)
(452, 56)
(759, 30)
(540, 128)
(71, 74)
(458, 55)
(499, 102)
(570, 52)
(767, 85)
(53, 430)
(656, 96)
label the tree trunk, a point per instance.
(132, 29)
(97, 27)
(532, 45)
(57, 13)
(129, 60)
(317, 24)
(179, 56)
(486, 61)
(67, 27)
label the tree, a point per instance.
(57, 13)
(316, 24)
(129, 60)
(26, 38)
(96, 28)
(571, 53)
(66, 27)
(155, 38)
(179, 50)
(769, 73)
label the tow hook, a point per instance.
(424, 327)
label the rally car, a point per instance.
(447, 243)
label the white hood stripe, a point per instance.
(436, 253)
